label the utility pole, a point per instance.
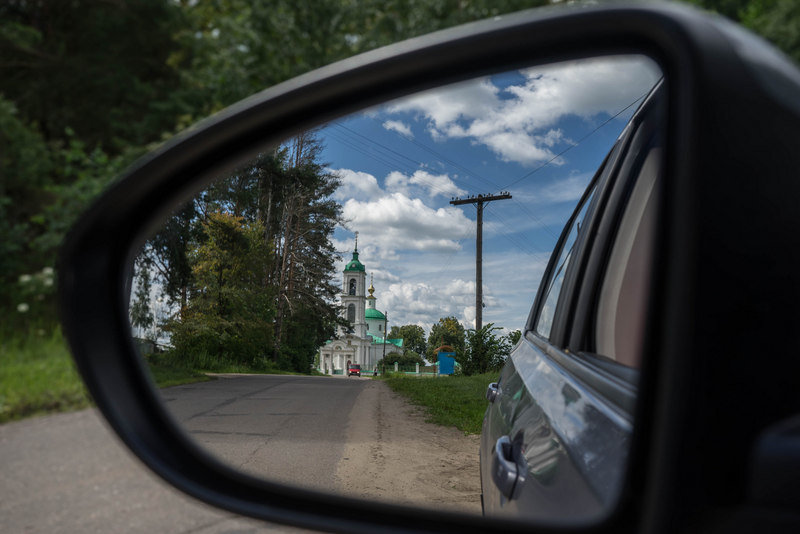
(479, 201)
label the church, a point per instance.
(364, 341)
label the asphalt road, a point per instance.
(68, 473)
(285, 428)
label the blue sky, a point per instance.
(538, 133)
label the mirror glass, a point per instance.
(271, 306)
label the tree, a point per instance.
(229, 313)
(413, 337)
(281, 204)
(513, 337)
(141, 315)
(78, 66)
(485, 351)
(448, 331)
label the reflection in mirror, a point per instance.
(342, 255)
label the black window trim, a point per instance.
(547, 277)
(584, 304)
(575, 311)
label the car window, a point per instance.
(621, 310)
(544, 324)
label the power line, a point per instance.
(548, 162)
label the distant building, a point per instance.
(364, 342)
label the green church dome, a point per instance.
(372, 313)
(354, 264)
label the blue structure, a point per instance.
(447, 363)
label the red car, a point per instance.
(354, 369)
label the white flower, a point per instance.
(48, 282)
(48, 271)
(23, 307)
(25, 278)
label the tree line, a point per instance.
(247, 266)
(87, 86)
(476, 350)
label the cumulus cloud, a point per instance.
(356, 184)
(517, 122)
(399, 127)
(396, 219)
(422, 293)
(424, 303)
(432, 184)
(402, 223)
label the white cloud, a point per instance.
(432, 184)
(356, 184)
(398, 222)
(399, 127)
(517, 122)
(424, 291)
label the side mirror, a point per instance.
(724, 287)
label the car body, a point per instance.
(354, 369)
(558, 427)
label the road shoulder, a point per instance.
(393, 455)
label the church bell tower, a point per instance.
(354, 294)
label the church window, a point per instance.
(352, 290)
(351, 313)
(379, 327)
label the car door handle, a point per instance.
(492, 392)
(508, 473)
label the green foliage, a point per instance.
(409, 358)
(24, 166)
(458, 401)
(96, 67)
(448, 331)
(778, 21)
(513, 337)
(140, 312)
(248, 264)
(485, 350)
(37, 375)
(230, 310)
(413, 337)
(167, 371)
(82, 95)
(87, 86)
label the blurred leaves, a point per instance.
(778, 21)
(88, 85)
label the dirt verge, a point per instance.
(393, 455)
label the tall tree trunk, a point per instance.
(284, 263)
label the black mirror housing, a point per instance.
(725, 290)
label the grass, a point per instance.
(166, 373)
(37, 376)
(204, 363)
(459, 401)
